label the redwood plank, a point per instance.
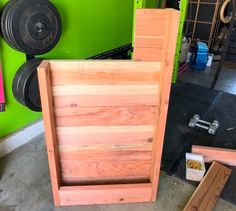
(112, 153)
(149, 42)
(50, 127)
(105, 169)
(110, 90)
(105, 194)
(105, 116)
(167, 23)
(104, 72)
(105, 136)
(151, 22)
(208, 192)
(224, 156)
(148, 54)
(99, 101)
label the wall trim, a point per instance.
(20, 138)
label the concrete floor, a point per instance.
(25, 182)
(226, 81)
(25, 186)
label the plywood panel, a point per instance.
(105, 72)
(105, 116)
(105, 194)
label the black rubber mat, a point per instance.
(187, 100)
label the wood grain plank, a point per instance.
(170, 31)
(110, 90)
(104, 72)
(113, 153)
(208, 192)
(105, 194)
(148, 54)
(151, 22)
(224, 156)
(105, 116)
(149, 42)
(77, 137)
(100, 100)
(50, 128)
(97, 169)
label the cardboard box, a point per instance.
(193, 174)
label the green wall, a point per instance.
(90, 27)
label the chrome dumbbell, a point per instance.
(196, 121)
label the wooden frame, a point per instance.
(213, 24)
(105, 120)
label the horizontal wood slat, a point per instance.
(225, 156)
(106, 100)
(104, 169)
(105, 136)
(105, 194)
(105, 116)
(105, 72)
(105, 154)
(109, 90)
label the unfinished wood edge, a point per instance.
(222, 155)
(211, 169)
(49, 124)
(171, 34)
(105, 194)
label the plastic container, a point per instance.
(210, 59)
(193, 174)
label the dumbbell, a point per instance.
(196, 121)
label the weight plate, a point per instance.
(31, 26)
(25, 85)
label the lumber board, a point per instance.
(107, 90)
(105, 136)
(105, 194)
(224, 156)
(208, 192)
(100, 100)
(105, 116)
(50, 128)
(113, 153)
(167, 23)
(105, 169)
(104, 72)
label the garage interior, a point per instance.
(57, 57)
